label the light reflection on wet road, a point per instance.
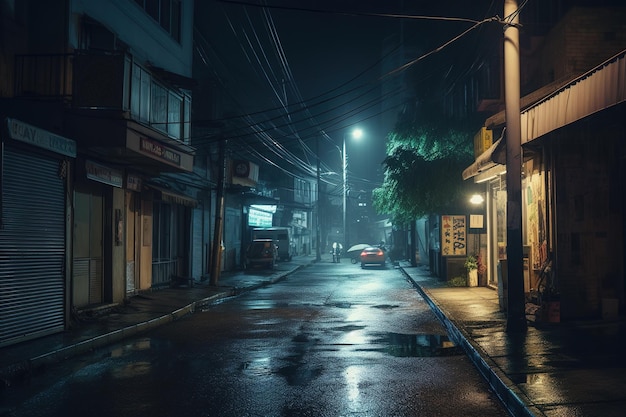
(331, 340)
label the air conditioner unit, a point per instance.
(244, 172)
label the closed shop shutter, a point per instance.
(32, 247)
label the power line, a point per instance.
(268, 141)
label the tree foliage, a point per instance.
(425, 158)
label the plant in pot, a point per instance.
(482, 268)
(471, 266)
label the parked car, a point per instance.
(373, 255)
(262, 252)
(280, 235)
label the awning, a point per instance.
(170, 196)
(494, 155)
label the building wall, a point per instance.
(589, 216)
(147, 40)
(583, 39)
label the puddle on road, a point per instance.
(349, 328)
(339, 304)
(415, 345)
(386, 306)
(144, 343)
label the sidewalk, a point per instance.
(565, 369)
(561, 369)
(144, 311)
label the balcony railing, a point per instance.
(43, 76)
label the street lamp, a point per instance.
(477, 199)
(356, 134)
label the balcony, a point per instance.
(111, 83)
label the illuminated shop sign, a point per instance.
(453, 236)
(259, 218)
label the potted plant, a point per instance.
(471, 266)
(482, 268)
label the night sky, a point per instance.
(311, 66)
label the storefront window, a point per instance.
(497, 227)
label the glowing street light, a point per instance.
(477, 199)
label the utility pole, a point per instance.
(344, 163)
(516, 317)
(216, 253)
(318, 250)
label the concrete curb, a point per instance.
(511, 397)
(17, 370)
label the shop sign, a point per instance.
(42, 138)
(482, 141)
(133, 182)
(453, 236)
(259, 218)
(160, 151)
(175, 198)
(104, 174)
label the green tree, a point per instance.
(426, 155)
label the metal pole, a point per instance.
(516, 317)
(345, 192)
(318, 250)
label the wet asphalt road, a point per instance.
(331, 340)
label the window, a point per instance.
(174, 115)
(152, 8)
(158, 113)
(140, 94)
(167, 110)
(166, 12)
(186, 126)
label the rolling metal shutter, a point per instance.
(32, 247)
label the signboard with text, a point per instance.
(42, 138)
(259, 218)
(453, 236)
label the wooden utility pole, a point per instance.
(216, 253)
(516, 317)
